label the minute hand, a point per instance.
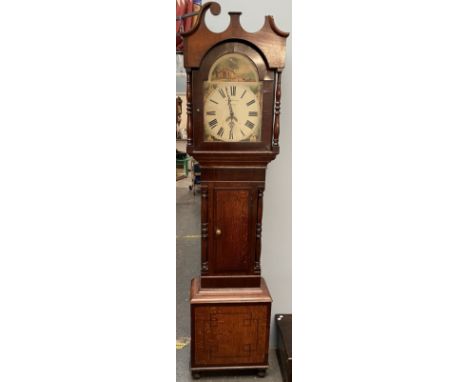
(231, 111)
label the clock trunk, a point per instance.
(231, 226)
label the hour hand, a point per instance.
(232, 117)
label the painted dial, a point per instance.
(232, 112)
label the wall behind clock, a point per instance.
(277, 221)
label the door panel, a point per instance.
(232, 231)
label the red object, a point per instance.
(182, 24)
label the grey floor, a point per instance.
(188, 267)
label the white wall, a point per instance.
(277, 225)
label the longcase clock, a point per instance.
(233, 125)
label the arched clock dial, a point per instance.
(232, 112)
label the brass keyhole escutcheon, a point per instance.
(218, 232)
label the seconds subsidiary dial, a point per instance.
(232, 112)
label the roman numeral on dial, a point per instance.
(220, 132)
(249, 124)
(233, 91)
(212, 113)
(251, 102)
(213, 123)
(253, 114)
(221, 91)
(243, 94)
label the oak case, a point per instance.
(230, 302)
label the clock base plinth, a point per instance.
(230, 327)
(230, 281)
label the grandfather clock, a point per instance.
(233, 124)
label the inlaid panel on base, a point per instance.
(230, 327)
